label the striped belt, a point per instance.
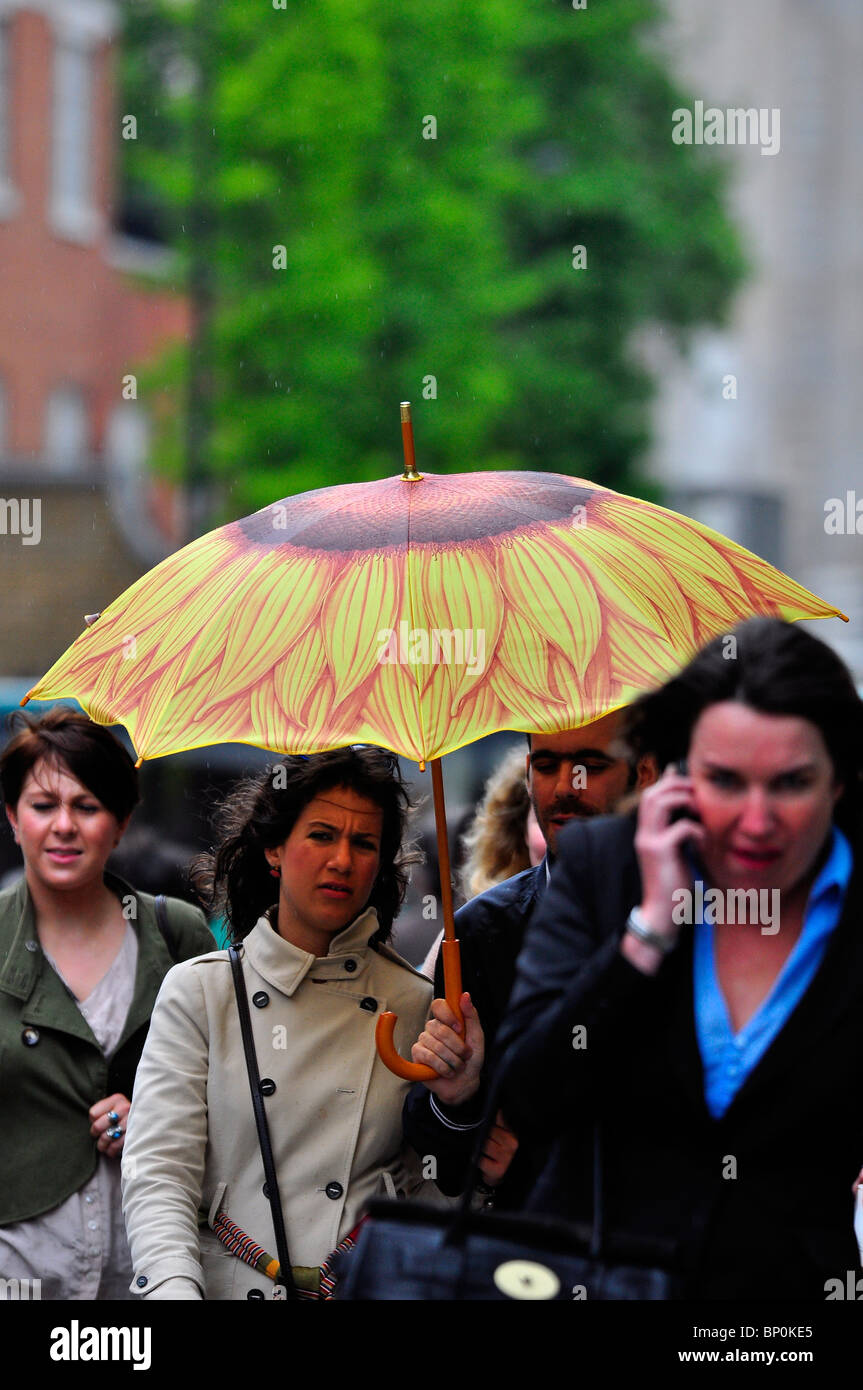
(311, 1281)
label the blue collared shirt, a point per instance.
(728, 1057)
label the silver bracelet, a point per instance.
(636, 924)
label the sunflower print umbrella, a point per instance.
(419, 616)
(418, 613)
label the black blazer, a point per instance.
(793, 1133)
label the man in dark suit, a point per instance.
(573, 775)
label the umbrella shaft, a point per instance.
(442, 850)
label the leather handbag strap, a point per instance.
(164, 926)
(285, 1275)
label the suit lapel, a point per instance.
(27, 975)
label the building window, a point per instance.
(8, 199)
(72, 211)
(4, 100)
(4, 423)
(67, 434)
(142, 506)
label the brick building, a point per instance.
(81, 308)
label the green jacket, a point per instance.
(51, 1067)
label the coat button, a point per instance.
(30, 1037)
(334, 1190)
(32, 945)
(266, 1191)
(142, 1281)
(350, 966)
(267, 1086)
(261, 999)
(369, 1003)
(255, 1293)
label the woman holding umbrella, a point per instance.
(311, 871)
(82, 956)
(687, 1017)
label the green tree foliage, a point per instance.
(408, 257)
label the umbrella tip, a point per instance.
(91, 618)
(410, 474)
(139, 761)
(22, 703)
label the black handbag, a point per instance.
(411, 1250)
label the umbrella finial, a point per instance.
(410, 474)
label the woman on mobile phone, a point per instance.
(311, 872)
(711, 953)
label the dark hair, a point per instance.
(261, 812)
(773, 667)
(71, 741)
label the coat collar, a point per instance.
(23, 960)
(286, 966)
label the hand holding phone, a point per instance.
(666, 848)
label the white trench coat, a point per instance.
(334, 1117)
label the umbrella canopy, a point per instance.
(418, 613)
(415, 614)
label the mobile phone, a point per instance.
(683, 812)
(687, 847)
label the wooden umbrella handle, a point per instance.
(408, 1071)
(418, 1071)
(385, 1027)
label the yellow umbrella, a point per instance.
(418, 613)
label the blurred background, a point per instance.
(234, 236)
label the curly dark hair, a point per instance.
(260, 813)
(773, 667)
(65, 738)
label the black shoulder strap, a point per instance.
(165, 927)
(272, 1188)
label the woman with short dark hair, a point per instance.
(311, 872)
(81, 960)
(690, 993)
